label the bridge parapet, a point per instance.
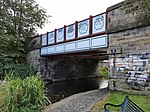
(85, 35)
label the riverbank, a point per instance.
(117, 97)
(81, 102)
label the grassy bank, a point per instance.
(118, 97)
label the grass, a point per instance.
(142, 101)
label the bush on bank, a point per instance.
(18, 70)
(103, 72)
(22, 95)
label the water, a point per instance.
(60, 90)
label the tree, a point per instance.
(19, 20)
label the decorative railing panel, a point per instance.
(59, 48)
(98, 23)
(83, 28)
(83, 44)
(70, 46)
(75, 46)
(70, 32)
(98, 42)
(44, 40)
(60, 35)
(51, 38)
(51, 49)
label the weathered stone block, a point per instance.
(135, 42)
(122, 18)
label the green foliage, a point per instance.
(19, 20)
(20, 70)
(8, 63)
(142, 101)
(115, 97)
(9, 55)
(103, 72)
(22, 95)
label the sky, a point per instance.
(65, 12)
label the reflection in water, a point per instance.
(60, 90)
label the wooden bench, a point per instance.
(126, 106)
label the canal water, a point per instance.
(59, 90)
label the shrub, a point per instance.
(103, 72)
(19, 70)
(22, 95)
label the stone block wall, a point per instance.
(131, 41)
(131, 72)
(34, 43)
(33, 58)
(66, 68)
(125, 16)
(129, 68)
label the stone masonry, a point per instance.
(72, 68)
(130, 36)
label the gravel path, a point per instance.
(81, 102)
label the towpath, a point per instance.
(81, 102)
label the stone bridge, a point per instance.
(120, 35)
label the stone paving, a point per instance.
(81, 102)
